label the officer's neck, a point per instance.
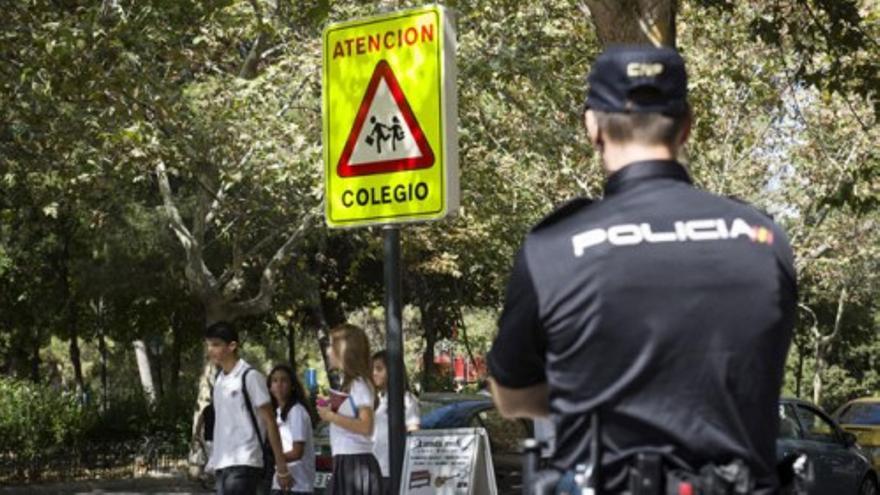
(616, 156)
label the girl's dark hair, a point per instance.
(297, 393)
(383, 356)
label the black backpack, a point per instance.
(208, 415)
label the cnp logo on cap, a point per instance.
(639, 69)
(638, 79)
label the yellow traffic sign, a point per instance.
(390, 119)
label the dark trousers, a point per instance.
(241, 480)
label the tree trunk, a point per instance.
(291, 343)
(176, 350)
(102, 350)
(216, 310)
(322, 333)
(143, 364)
(71, 316)
(20, 359)
(818, 369)
(156, 368)
(203, 398)
(35, 359)
(428, 357)
(76, 361)
(467, 344)
(634, 21)
(98, 308)
(799, 374)
(823, 346)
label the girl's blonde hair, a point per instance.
(352, 348)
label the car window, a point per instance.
(788, 425)
(505, 434)
(816, 427)
(861, 414)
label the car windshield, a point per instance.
(861, 414)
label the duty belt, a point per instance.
(653, 473)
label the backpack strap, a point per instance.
(250, 409)
(216, 376)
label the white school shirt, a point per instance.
(380, 431)
(297, 428)
(346, 442)
(235, 441)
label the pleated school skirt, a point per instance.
(356, 474)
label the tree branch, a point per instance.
(199, 224)
(814, 328)
(837, 318)
(197, 273)
(819, 251)
(183, 233)
(801, 263)
(255, 54)
(263, 300)
(229, 273)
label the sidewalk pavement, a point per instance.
(152, 485)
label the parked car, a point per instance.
(441, 411)
(323, 457)
(861, 417)
(840, 465)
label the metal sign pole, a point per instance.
(394, 348)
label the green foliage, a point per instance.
(842, 385)
(34, 418)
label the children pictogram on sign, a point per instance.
(378, 134)
(396, 132)
(390, 140)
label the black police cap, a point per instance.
(222, 330)
(638, 79)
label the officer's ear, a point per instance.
(594, 133)
(686, 128)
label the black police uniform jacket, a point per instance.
(668, 309)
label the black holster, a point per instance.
(734, 478)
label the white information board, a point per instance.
(448, 462)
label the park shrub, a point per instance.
(132, 417)
(35, 418)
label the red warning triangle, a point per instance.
(393, 141)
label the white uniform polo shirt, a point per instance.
(235, 441)
(380, 431)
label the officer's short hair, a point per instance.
(642, 128)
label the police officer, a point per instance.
(665, 310)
